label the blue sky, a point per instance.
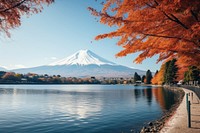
(60, 30)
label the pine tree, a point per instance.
(193, 74)
(186, 77)
(172, 70)
(136, 77)
(148, 77)
(170, 74)
(166, 73)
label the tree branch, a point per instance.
(154, 35)
(179, 22)
(173, 18)
(194, 15)
(12, 7)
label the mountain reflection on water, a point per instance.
(80, 108)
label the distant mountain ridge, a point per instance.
(83, 63)
(2, 68)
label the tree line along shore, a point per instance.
(32, 78)
(167, 75)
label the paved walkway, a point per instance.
(178, 122)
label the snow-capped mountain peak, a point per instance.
(83, 63)
(83, 57)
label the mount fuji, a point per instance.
(83, 63)
(83, 58)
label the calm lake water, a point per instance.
(80, 108)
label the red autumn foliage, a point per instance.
(11, 12)
(168, 28)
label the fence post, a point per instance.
(187, 101)
(189, 115)
(192, 97)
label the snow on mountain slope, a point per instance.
(83, 63)
(2, 68)
(83, 57)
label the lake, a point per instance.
(80, 108)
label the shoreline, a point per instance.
(146, 85)
(157, 125)
(178, 123)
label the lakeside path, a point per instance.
(178, 122)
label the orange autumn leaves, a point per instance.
(12, 10)
(168, 28)
(158, 78)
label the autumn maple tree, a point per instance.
(168, 28)
(11, 12)
(159, 77)
(167, 73)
